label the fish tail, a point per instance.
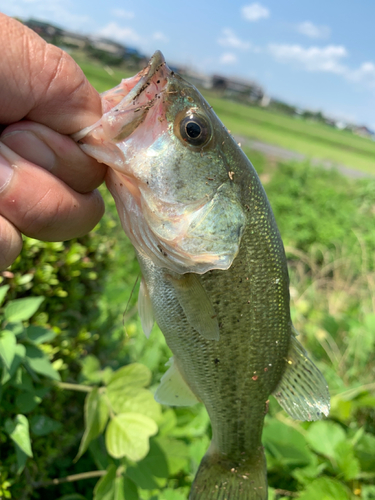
(219, 478)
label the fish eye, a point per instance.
(195, 130)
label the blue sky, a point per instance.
(318, 55)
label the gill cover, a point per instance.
(137, 139)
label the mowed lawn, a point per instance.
(314, 140)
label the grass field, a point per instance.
(312, 139)
(315, 140)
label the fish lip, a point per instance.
(157, 60)
(127, 100)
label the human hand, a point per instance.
(47, 184)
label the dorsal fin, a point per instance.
(303, 391)
(173, 390)
(197, 305)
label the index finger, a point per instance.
(42, 83)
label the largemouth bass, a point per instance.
(214, 270)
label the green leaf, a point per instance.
(21, 459)
(368, 492)
(99, 454)
(325, 488)
(324, 436)
(141, 478)
(170, 494)
(196, 426)
(27, 401)
(20, 353)
(91, 369)
(153, 465)
(22, 309)
(41, 425)
(365, 452)
(134, 375)
(286, 444)
(125, 489)
(105, 487)
(346, 461)
(3, 292)
(197, 450)
(18, 430)
(72, 496)
(39, 335)
(39, 362)
(309, 473)
(176, 453)
(22, 380)
(135, 400)
(128, 435)
(96, 416)
(8, 344)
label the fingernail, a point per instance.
(30, 147)
(6, 173)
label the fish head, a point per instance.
(170, 171)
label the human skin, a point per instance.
(47, 184)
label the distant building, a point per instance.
(107, 45)
(364, 131)
(196, 78)
(70, 39)
(238, 88)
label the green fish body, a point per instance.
(214, 270)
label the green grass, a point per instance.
(312, 139)
(102, 77)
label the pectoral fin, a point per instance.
(303, 391)
(173, 390)
(197, 305)
(145, 309)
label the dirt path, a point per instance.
(279, 153)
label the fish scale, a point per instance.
(214, 270)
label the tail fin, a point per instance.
(221, 479)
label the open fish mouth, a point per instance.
(126, 106)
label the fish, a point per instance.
(214, 271)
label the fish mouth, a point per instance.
(146, 75)
(125, 107)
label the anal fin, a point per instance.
(197, 305)
(145, 309)
(173, 390)
(303, 391)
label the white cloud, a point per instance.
(228, 58)
(364, 74)
(254, 12)
(160, 37)
(327, 59)
(64, 13)
(124, 14)
(313, 31)
(229, 39)
(324, 59)
(120, 33)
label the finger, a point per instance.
(42, 206)
(57, 153)
(10, 243)
(45, 85)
